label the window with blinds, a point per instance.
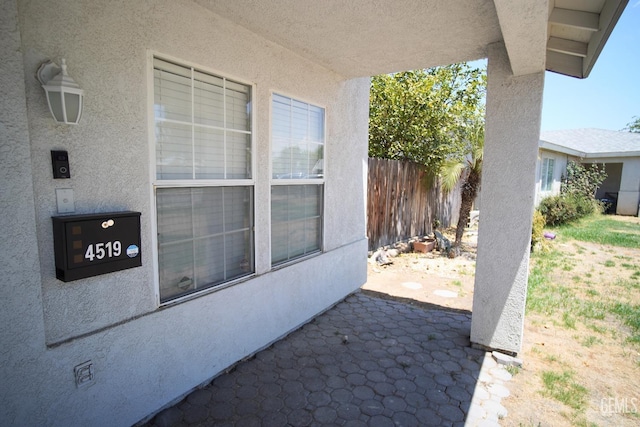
(203, 186)
(297, 186)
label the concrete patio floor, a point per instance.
(368, 361)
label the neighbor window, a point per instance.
(204, 186)
(297, 190)
(547, 174)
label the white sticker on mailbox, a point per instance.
(132, 251)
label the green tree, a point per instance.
(422, 116)
(633, 126)
(467, 167)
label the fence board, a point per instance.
(399, 205)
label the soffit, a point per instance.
(577, 32)
(358, 38)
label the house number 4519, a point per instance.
(100, 250)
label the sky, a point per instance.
(610, 97)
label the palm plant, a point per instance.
(467, 168)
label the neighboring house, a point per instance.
(618, 151)
(238, 130)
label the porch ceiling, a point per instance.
(368, 37)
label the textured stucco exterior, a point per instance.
(145, 356)
(514, 107)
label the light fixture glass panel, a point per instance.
(73, 106)
(55, 104)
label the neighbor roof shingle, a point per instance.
(592, 142)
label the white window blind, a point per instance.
(296, 221)
(203, 125)
(203, 133)
(297, 139)
(297, 191)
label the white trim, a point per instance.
(550, 146)
(296, 260)
(171, 183)
(153, 219)
(207, 291)
(309, 181)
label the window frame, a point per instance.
(546, 185)
(297, 181)
(157, 183)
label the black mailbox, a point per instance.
(89, 245)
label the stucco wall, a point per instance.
(21, 326)
(144, 356)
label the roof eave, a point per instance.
(612, 154)
(579, 64)
(550, 146)
(611, 13)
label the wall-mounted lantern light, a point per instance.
(64, 95)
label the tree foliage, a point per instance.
(633, 126)
(423, 116)
(583, 181)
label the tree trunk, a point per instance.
(469, 193)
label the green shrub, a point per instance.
(582, 180)
(565, 208)
(577, 195)
(537, 231)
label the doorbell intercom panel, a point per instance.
(60, 162)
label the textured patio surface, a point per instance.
(368, 361)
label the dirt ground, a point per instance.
(603, 362)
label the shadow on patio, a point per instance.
(371, 360)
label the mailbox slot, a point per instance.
(94, 244)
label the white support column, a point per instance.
(629, 193)
(514, 107)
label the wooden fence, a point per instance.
(399, 205)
